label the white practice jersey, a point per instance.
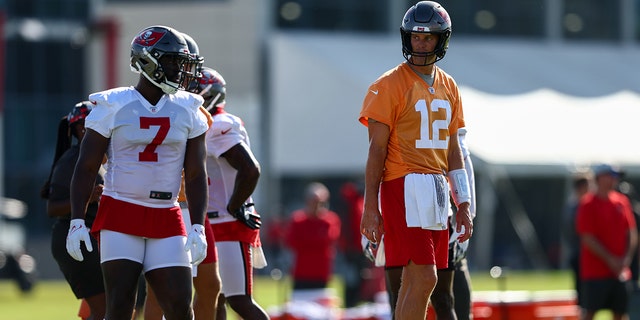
(226, 131)
(147, 144)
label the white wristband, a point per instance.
(459, 183)
(198, 228)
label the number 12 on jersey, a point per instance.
(429, 126)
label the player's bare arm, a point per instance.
(243, 160)
(195, 178)
(92, 151)
(463, 215)
(371, 225)
(633, 244)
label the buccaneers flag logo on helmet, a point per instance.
(148, 38)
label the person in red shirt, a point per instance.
(608, 237)
(312, 235)
(354, 261)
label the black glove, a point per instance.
(246, 216)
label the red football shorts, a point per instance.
(212, 253)
(133, 219)
(403, 244)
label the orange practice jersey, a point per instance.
(421, 119)
(182, 197)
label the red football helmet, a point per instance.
(212, 88)
(80, 111)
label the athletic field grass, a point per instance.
(53, 300)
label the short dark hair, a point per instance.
(580, 181)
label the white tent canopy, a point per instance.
(527, 104)
(545, 127)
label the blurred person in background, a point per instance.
(608, 237)
(273, 241)
(312, 236)
(363, 280)
(152, 133)
(626, 188)
(581, 184)
(84, 277)
(462, 290)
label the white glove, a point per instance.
(77, 233)
(197, 243)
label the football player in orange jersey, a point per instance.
(413, 113)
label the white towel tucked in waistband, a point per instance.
(426, 199)
(258, 259)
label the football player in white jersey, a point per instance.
(206, 279)
(233, 173)
(150, 133)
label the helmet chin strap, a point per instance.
(167, 87)
(214, 101)
(426, 56)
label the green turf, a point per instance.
(48, 300)
(53, 299)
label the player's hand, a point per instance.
(96, 194)
(197, 244)
(78, 233)
(371, 225)
(246, 216)
(464, 223)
